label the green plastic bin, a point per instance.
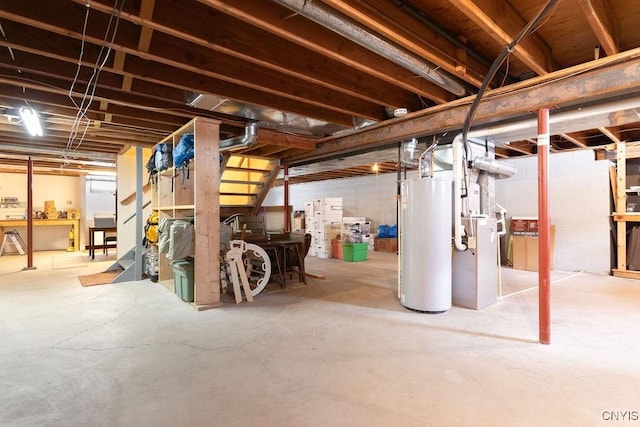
(183, 279)
(355, 251)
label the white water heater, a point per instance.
(425, 244)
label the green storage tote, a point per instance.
(355, 251)
(183, 279)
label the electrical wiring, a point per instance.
(82, 41)
(81, 119)
(528, 29)
(93, 81)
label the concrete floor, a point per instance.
(340, 351)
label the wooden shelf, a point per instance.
(626, 217)
(627, 274)
(177, 198)
(175, 207)
(619, 188)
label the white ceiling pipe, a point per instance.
(611, 113)
(576, 119)
(330, 19)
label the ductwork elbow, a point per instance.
(243, 141)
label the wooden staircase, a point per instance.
(245, 182)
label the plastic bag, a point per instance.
(385, 231)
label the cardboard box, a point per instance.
(633, 203)
(73, 213)
(525, 251)
(524, 226)
(386, 244)
(336, 248)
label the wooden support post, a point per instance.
(621, 203)
(29, 215)
(139, 219)
(544, 229)
(207, 213)
(287, 214)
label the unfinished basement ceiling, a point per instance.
(322, 78)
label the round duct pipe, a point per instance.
(494, 167)
(243, 141)
(332, 20)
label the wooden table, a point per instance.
(280, 248)
(92, 239)
(12, 223)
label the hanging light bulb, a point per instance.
(31, 121)
(375, 167)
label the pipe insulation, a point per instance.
(332, 20)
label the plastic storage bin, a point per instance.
(354, 251)
(183, 279)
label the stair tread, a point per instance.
(125, 263)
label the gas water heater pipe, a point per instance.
(458, 164)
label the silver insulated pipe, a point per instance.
(330, 19)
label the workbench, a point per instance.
(13, 223)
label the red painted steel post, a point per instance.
(544, 229)
(287, 214)
(30, 213)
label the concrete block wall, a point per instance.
(579, 198)
(579, 203)
(373, 196)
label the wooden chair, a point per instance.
(110, 241)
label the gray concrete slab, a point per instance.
(339, 351)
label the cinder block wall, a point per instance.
(579, 206)
(373, 197)
(579, 203)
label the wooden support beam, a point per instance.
(389, 20)
(606, 78)
(574, 139)
(146, 14)
(613, 180)
(621, 201)
(612, 135)
(503, 23)
(603, 23)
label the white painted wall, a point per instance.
(579, 206)
(63, 190)
(127, 183)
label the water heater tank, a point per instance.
(426, 252)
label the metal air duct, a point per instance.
(328, 18)
(243, 141)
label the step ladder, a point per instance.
(13, 238)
